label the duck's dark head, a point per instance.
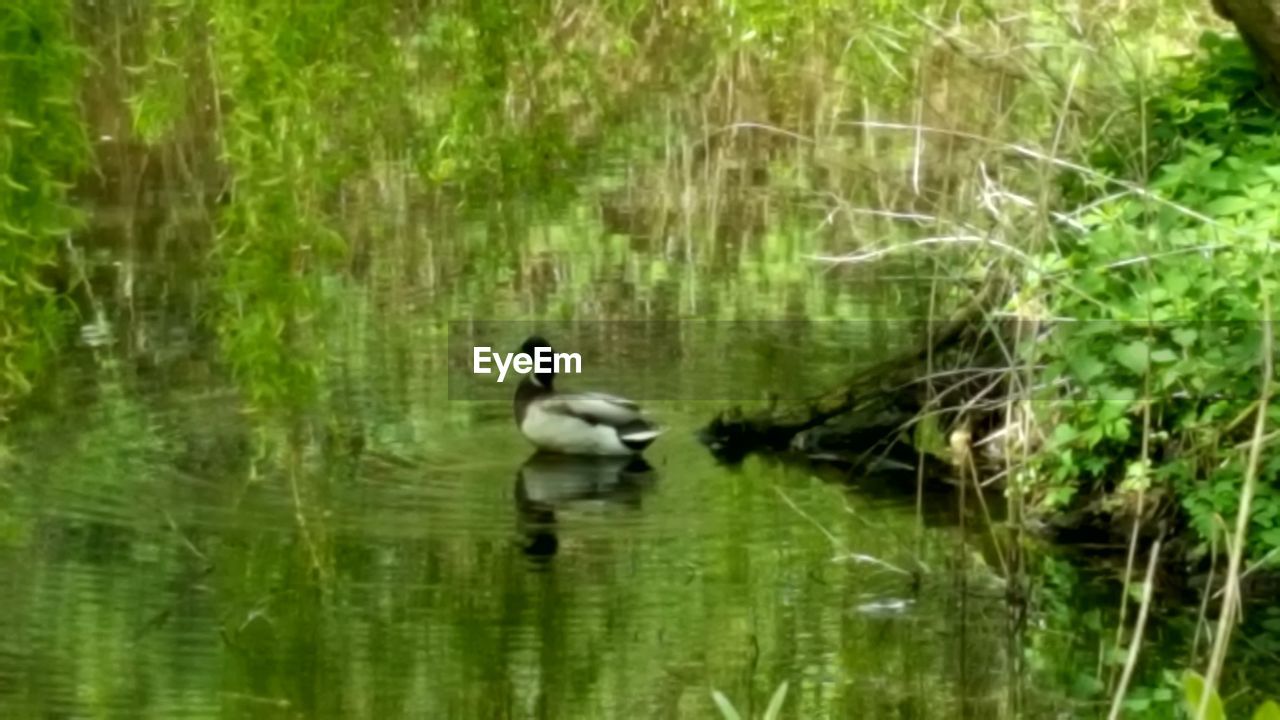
(530, 348)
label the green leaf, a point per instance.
(1193, 688)
(780, 696)
(1176, 284)
(1163, 355)
(1268, 710)
(13, 184)
(1185, 336)
(1229, 205)
(726, 707)
(1133, 355)
(1137, 704)
(1064, 434)
(1086, 367)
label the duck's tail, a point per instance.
(639, 434)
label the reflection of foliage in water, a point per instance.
(42, 146)
(283, 143)
(330, 109)
(298, 136)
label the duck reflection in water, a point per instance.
(548, 484)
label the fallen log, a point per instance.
(874, 402)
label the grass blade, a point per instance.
(775, 703)
(726, 708)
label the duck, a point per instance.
(588, 423)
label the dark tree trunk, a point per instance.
(1259, 24)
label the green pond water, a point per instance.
(386, 545)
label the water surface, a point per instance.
(339, 529)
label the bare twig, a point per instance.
(1135, 643)
(843, 553)
(1230, 598)
(940, 240)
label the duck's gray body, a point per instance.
(578, 423)
(581, 423)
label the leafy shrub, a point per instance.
(1194, 690)
(1165, 292)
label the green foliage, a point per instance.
(42, 147)
(1166, 296)
(1194, 690)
